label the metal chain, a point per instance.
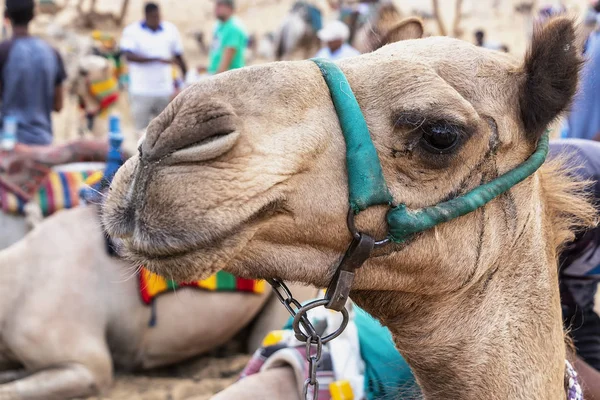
(313, 362)
(286, 298)
(308, 334)
(335, 299)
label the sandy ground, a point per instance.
(195, 380)
(200, 378)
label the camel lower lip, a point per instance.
(180, 267)
(150, 257)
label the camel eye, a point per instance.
(439, 138)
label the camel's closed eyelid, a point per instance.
(205, 150)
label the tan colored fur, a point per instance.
(260, 189)
(69, 313)
(568, 201)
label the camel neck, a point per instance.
(501, 338)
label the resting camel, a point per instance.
(96, 72)
(14, 227)
(69, 314)
(246, 171)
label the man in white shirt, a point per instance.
(151, 46)
(334, 35)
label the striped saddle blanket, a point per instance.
(57, 191)
(106, 93)
(153, 285)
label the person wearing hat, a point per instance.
(229, 40)
(335, 35)
(31, 77)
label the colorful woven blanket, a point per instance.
(106, 93)
(153, 285)
(362, 363)
(59, 190)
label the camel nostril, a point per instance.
(204, 150)
(190, 126)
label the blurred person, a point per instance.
(334, 35)
(584, 120)
(229, 40)
(479, 36)
(354, 13)
(481, 42)
(32, 76)
(150, 47)
(579, 269)
(5, 24)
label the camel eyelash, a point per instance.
(419, 121)
(417, 127)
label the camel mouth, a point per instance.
(148, 257)
(181, 267)
(199, 260)
(176, 263)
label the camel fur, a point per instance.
(246, 172)
(70, 314)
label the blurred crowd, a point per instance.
(148, 62)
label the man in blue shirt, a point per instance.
(31, 77)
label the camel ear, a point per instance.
(408, 28)
(551, 71)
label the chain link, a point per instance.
(308, 334)
(313, 362)
(286, 298)
(335, 299)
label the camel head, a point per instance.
(246, 170)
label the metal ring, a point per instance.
(303, 313)
(351, 226)
(356, 234)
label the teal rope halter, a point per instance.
(366, 188)
(366, 184)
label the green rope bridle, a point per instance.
(366, 184)
(366, 188)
